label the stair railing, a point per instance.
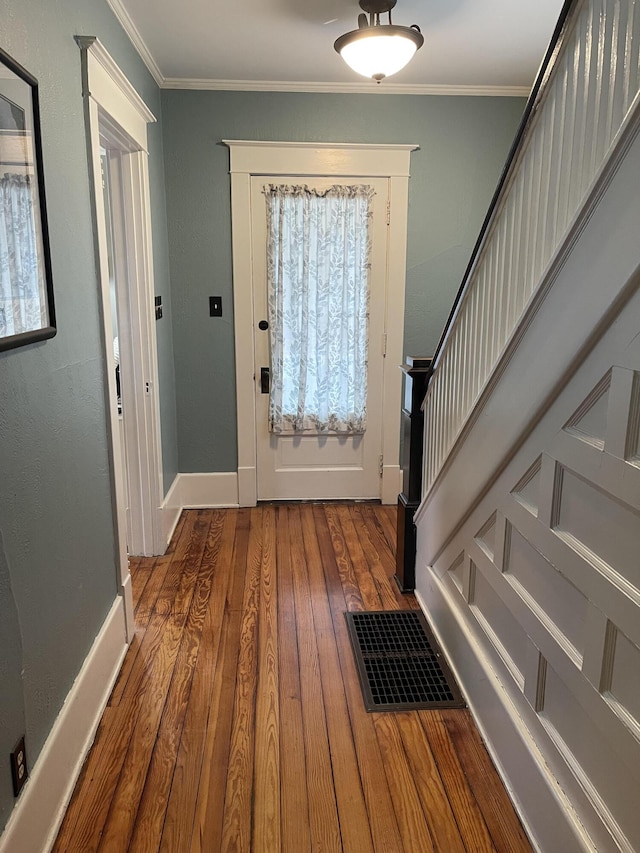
(572, 129)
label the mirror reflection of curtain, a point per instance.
(20, 298)
(318, 263)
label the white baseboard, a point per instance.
(544, 808)
(36, 818)
(391, 484)
(129, 616)
(197, 491)
(170, 510)
(247, 495)
(200, 491)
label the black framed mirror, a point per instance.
(26, 289)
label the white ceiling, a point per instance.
(492, 46)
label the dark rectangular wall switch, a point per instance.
(215, 306)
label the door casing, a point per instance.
(115, 113)
(251, 158)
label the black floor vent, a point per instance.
(400, 665)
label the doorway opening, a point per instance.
(250, 162)
(116, 120)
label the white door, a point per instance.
(112, 197)
(323, 465)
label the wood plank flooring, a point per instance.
(237, 723)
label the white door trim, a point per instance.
(337, 159)
(113, 108)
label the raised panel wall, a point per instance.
(545, 589)
(545, 573)
(529, 529)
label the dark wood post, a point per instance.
(416, 376)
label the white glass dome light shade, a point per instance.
(379, 51)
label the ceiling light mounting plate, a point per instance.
(377, 7)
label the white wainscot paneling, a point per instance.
(599, 527)
(589, 423)
(499, 624)
(457, 574)
(532, 455)
(605, 777)
(632, 449)
(550, 595)
(486, 537)
(527, 490)
(624, 680)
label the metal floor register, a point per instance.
(399, 662)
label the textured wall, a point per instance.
(57, 573)
(463, 145)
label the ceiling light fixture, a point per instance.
(378, 50)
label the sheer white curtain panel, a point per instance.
(21, 302)
(318, 265)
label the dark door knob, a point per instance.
(263, 325)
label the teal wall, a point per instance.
(57, 552)
(463, 145)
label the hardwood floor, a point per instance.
(237, 722)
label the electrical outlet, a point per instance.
(19, 770)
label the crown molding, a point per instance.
(136, 40)
(344, 88)
(357, 88)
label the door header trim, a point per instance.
(331, 159)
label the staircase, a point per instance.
(528, 530)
